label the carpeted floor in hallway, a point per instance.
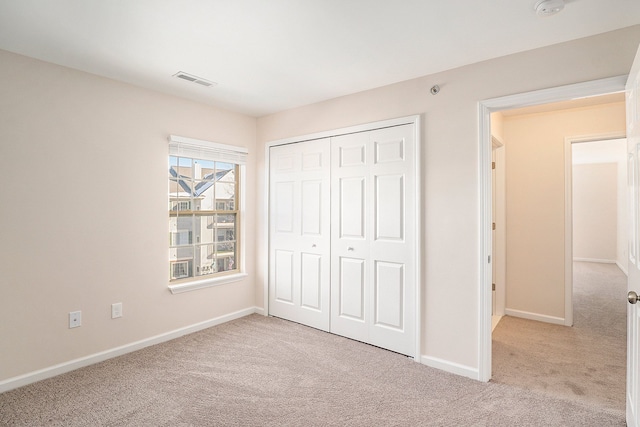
(584, 363)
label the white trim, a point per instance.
(418, 230)
(556, 94)
(485, 108)
(602, 261)
(631, 418)
(265, 230)
(207, 150)
(484, 243)
(535, 316)
(451, 367)
(568, 233)
(52, 371)
(500, 255)
(623, 269)
(414, 120)
(209, 144)
(206, 283)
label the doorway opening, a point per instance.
(564, 314)
(546, 96)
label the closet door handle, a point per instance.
(313, 246)
(350, 248)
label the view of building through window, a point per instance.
(203, 217)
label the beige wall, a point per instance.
(535, 201)
(497, 126)
(595, 211)
(83, 213)
(450, 165)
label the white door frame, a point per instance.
(500, 244)
(485, 108)
(416, 122)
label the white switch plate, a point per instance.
(116, 310)
(75, 319)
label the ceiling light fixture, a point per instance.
(548, 7)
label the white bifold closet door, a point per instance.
(299, 234)
(342, 235)
(373, 241)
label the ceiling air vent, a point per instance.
(194, 79)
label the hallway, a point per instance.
(585, 363)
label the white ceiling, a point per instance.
(271, 55)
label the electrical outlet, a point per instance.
(75, 319)
(116, 310)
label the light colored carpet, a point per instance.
(584, 363)
(259, 371)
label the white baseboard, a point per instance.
(451, 367)
(623, 268)
(260, 311)
(603, 261)
(534, 316)
(52, 371)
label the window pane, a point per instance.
(203, 192)
(181, 230)
(226, 231)
(226, 256)
(225, 194)
(181, 269)
(226, 219)
(225, 171)
(204, 169)
(174, 194)
(181, 262)
(205, 260)
(205, 229)
(184, 172)
(173, 163)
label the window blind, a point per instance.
(207, 150)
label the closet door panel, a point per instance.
(352, 207)
(284, 201)
(393, 244)
(389, 295)
(389, 212)
(284, 276)
(299, 215)
(351, 156)
(351, 288)
(312, 208)
(311, 281)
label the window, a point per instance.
(204, 209)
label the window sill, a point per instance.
(206, 283)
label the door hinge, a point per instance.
(493, 165)
(489, 259)
(493, 286)
(493, 226)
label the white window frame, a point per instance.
(196, 148)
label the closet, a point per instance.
(343, 242)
